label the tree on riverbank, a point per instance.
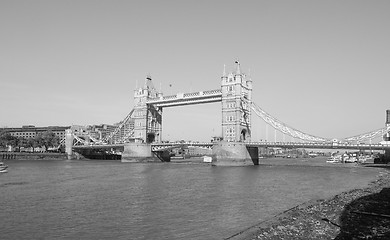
(46, 139)
(8, 140)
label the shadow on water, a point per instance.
(367, 217)
(12, 184)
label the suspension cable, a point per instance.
(284, 128)
(112, 134)
(369, 135)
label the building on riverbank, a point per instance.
(100, 131)
(30, 131)
(95, 131)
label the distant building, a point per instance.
(30, 131)
(196, 151)
(97, 132)
(126, 131)
(101, 131)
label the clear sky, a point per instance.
(319, 66)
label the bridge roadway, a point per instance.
(99, 146)
(167, 146)
(319, 145)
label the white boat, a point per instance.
(366, 159)
(350, 160)
(207, 159)
(334, 159)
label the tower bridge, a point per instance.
(140, 133)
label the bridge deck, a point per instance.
(321, 145)
(99, 146)
(166, 146)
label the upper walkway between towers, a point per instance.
(181, 99)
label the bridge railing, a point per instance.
(194, 94)
(164, 98)
(213, 92)
(206, 93)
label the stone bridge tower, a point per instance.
(147, 118)
(236, 122)
(236, 106)
(386, 137)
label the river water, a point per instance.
(72, 199)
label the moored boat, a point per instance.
(207, 159)
(334, 159)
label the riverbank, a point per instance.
(32, 156)
(355, 214)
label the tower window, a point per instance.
(230, 118)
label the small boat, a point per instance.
(366, 159)
(3, 168)
(334, 159)
(350, 159)
(207, 159)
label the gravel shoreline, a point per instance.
(355, 214)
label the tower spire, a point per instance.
(224, 71)
(238, 69)
(148, 81)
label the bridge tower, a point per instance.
(236, 105)
(386, 137)
(147, 118)
(236, 90)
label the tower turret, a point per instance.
(224, 76)
(238, 69)
(147, 119)
(236, 101)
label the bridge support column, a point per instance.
(386, 137)
(69, 143)
(138, 152)
(234, 154)
(387, 156)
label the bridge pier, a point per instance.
(234, 154)
(387, 156)
(138, 152)
(69, 143)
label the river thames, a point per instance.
(72, 199)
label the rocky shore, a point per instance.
(356, 214)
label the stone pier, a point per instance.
(387, 155)
(69, 143)
(234, 154)
(138, 152)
